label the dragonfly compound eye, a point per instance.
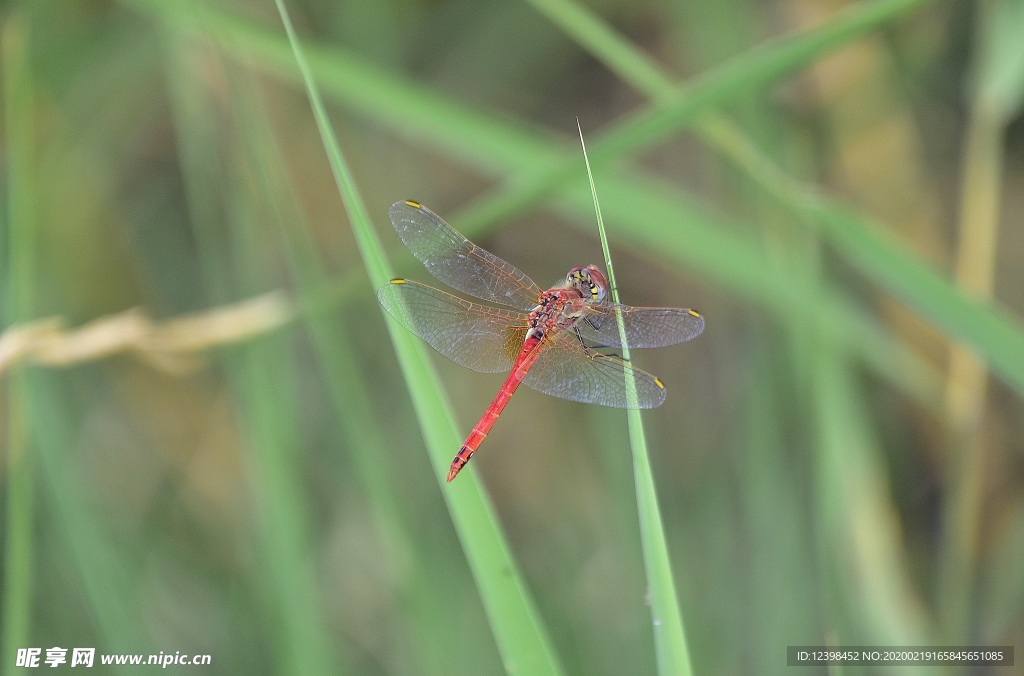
(598, 282)
(589, 282)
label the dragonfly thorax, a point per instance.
(588, 282)
(559, 309)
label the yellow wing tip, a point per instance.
(398, 281)
(661, 385)
(414, 204)
(694, 313)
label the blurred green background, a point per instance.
(235, 467)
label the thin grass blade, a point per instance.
(673, 656)
(19, 264)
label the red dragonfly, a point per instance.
(548, 339)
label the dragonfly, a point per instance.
(550, 340)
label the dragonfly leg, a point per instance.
(591, 348)
(579, 336)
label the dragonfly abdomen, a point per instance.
(527, 356)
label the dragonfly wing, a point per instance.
(566, 369)
(459, 263)
(645, 326)
(476, 336)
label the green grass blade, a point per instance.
(262, 378)
(858, 519)
(258, 374)
(986, 327)
(673, 656)
(110, 581)
(19, 552)
(738, 77)
(40, 424)
(621, 57)
(996, 335)
(1000, 74)
(518, 631)
(995, 99)
(409, 108)
(19, 259)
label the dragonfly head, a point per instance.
(588, 282)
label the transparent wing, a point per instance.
(568, 370)
(459, 263)
(645, 326)
(482, 338)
